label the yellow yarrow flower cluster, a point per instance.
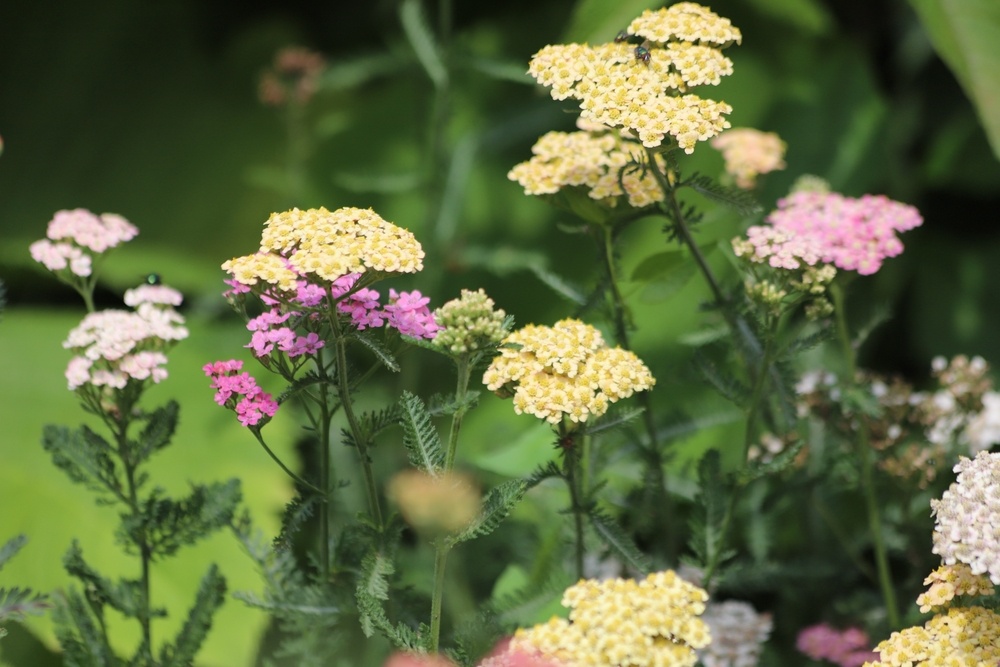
(469, 323)
(596, 158)
(565, 370)
(962, 636)
(326, 245)
(949, 581)
(623, 622)
(749, 153)
(645, 94)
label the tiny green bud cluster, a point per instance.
(469, 323)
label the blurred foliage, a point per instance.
(149, 110)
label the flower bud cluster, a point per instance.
(469, 323)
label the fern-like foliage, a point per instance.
(708, 525)
(497, 505)
(618, 540)
(81, 635)
(420, 436)
(166, 524)
(542, 473)
(372, 593)
(87, 459)
(160, 427)
(125, 595)
(376, 347)
(728, 385)
(211, 594)
(742, 201)
(16, 602)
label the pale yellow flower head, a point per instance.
(565, 370)
(648, 94)
(623, 622)
(950, 581)
(962, 636)
(596, 159)
(325, 245)
(749, 153)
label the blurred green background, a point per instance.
(150, 110)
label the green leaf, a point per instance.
(125, 595)
(965, 34)
(724, 382)
(168, 524)
(82, 643)
(420, 37)
(708, 527)
(371, 593)
(162, 423)
(369, 340)
(211, 594)
(742, 201)
(497, 505)
(663, 274)
(85, 457)
(612, 535)
(10, 549)
(779, 463)
(419, 435)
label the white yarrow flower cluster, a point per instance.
(967, 517)
(738, 633)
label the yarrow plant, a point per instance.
(118, 355)
(806, 478)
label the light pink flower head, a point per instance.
(853, 234)
(73, 235)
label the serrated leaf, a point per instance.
(160, 427)
(210, 596)
(708, 526)
(82, 643)
(85, 457)
(729, 386)
(11, 547)
(742, 201)
(420, 438)
(612, 535)
(369, 340)
(497, 505)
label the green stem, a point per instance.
(571, 458)
(274, 457)
(440, 565)
(443, 547)
(343, 389)
(145, 552)
(867, 468)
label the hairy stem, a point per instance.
(571, 460)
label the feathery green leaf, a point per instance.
(419, 435)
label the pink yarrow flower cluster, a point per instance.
(846, 648)
(853, 234)
(407, 312)
(114, 347)
(238, 391)
(74, 237)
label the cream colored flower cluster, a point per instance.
(565, 370)
(949, 581)
(967, 517)
(469, 323)
(598, 160)
(749, 153)
(326, 245)
(623, 622)
(962, 636)
(642, 88)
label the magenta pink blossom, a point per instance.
(239, 392)
(853, 234)
(846, 648)
(408, 313)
